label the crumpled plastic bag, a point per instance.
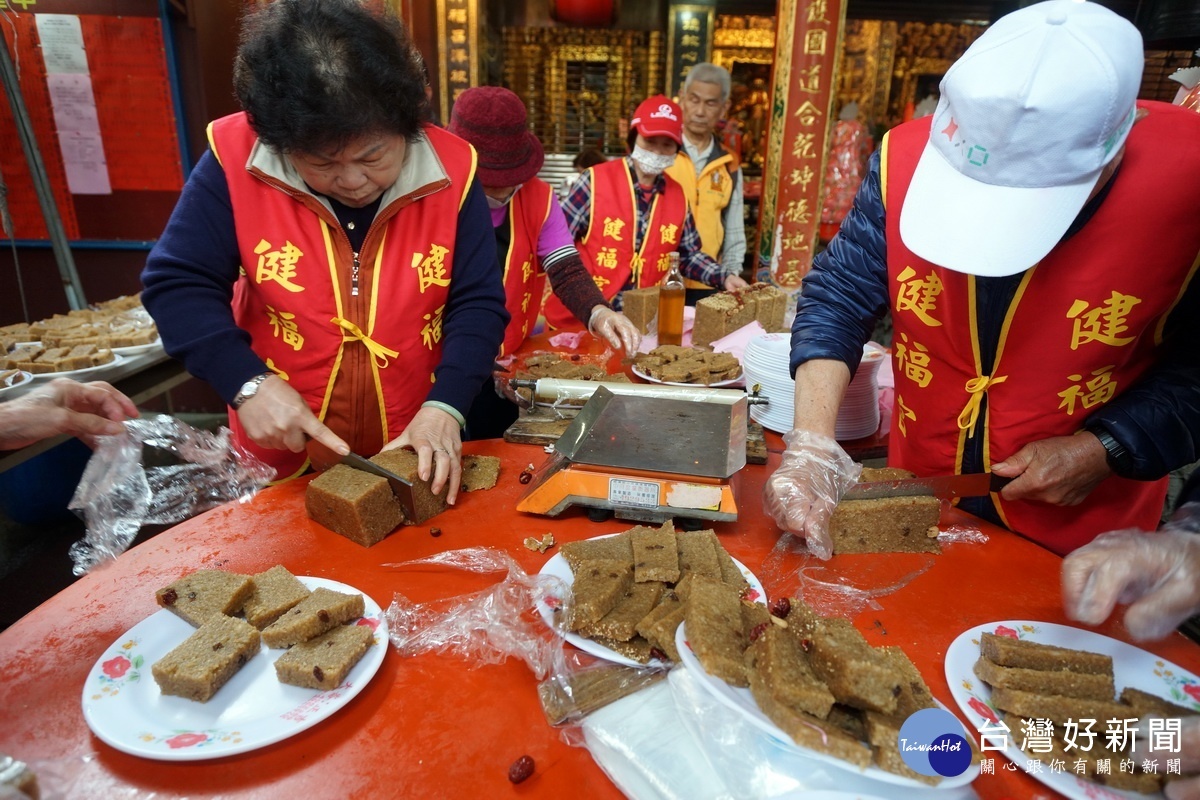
(117, 494)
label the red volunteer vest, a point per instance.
(1086, 322)
(524, 278)
(363, 362)
(607, 249)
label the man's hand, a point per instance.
(615, 328)
(734, 282)
(1061, 470)
(63, 406)
(437, 440)
(277, 417)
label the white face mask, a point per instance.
(651, 163)
(493, 203)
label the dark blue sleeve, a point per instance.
(475, 317)
(188, 284)
(845, 293)
(1157, 419)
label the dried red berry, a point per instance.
(435, 532)
(806, 645)
(659, 654)
(323, 615)
(758, 630)
(170, 596)
(218, 646)
(525, 477)
(780, 607)
(318, 674)
(521, 769)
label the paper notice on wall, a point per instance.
(74, 104)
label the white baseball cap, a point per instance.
(1028, 118)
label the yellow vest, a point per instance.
(708, 195)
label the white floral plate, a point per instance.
(1132, 666)
(19, 379)
(559, 568)
(740, 699)
(123, 706)
(738, 381)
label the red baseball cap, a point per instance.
(659, 116)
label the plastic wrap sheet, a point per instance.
(118, 493)
(502, 621)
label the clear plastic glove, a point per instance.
(615, 328)
(1158, 574)
(802, 494)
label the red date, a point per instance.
(758, 630)
(435, 532)
(780, 607)
(521, 769)
(525, 477)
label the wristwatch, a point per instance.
(249, 389)
(1116, 454)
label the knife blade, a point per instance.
(401, 488)
(944, 487)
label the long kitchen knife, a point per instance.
(944, 487)
(401, 488)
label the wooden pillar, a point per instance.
(807, 49)
(689, 40)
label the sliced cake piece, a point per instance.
(698, 553)
(714, 629)
(275, 591)
(353, 503)
(856, 673)
(1144, 703)
(205, 594)
(1008, 652)
(621, 622)
(597, 587)
(320, 611)
(324, 662)
(1056, 707)
(426, 504)
(614, 548)
(655, 553)
(479, 472)
(207, 659)
(783, 665)
(1062, 682)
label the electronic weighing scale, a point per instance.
(646, 453)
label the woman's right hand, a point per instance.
(278, 418)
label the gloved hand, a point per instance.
(1157, 573)
(615, 328)
(802, 494)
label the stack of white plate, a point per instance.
(766, 363)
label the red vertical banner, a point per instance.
(807, 50)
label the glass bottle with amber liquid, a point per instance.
(670, 304)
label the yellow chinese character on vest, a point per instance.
(431, 334)
(284, 325)
(612, 228)
(919, 295)
(1099, 390)
(607, 257)
(906, 414)
(1104, 323)
(277, 265)
(527, 270)
(913, 361)
(431, 269)
(670, 234)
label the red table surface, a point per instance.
(431, 726)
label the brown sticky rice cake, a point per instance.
(205, 594)
(354, 504)
(208, 658)
(698, 553)
(621, 622)
(640, 306)
(658, 627)
(1046, 681)
(479, 472)
(275, 591)
(596, 588)
(1144, 703)
(324, 662)
(655, 553)
(886, 525)
(322, 610)
(426, 504)
(857, 674)
(784, 667)
(1009, 652)
(609, 548)
(714, 629)
(1056, 707)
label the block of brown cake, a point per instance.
(857, 674)
(1046, 681)
(640, 306)
(886, 525)
(1056, 707)
(698, 553)
(275, 591)
(426, 504)
(658, 627)
(723, 313)
(207, 659)
(324, 662)
(636, 649)
(655, 553)
(479, 472)
(714, 629)
(1009, 652)
(596, 588)
(621, 622)
(883, 732)
(205, 594)
(322, 610)
(783, 665)
(1144, 703)
(611, 548)
(354, 504)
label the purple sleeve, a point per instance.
(554, 235)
